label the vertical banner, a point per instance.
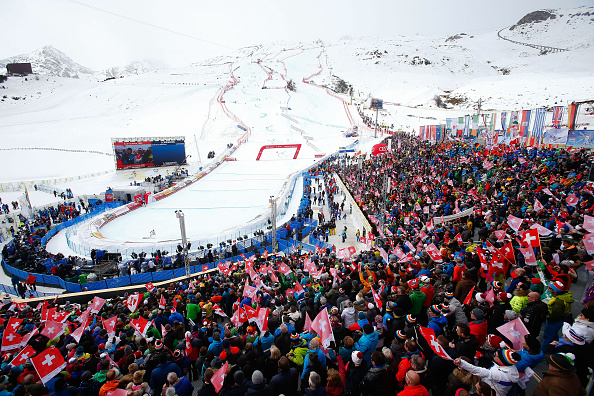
(421, 129)
(537, 127)
(524, 125)
(503, 120)
(438, 133)
(466, 126)
(475, 119)
(460, 127)
(558, 116)
(571, 115)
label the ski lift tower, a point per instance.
(377, 105)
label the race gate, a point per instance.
(297, 147)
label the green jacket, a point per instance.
(193, 310)
(298, 355)
(559, 306)
(417, 298)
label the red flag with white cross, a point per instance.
(97, 304)
(150, 287)
(321, 325)
(376, 298)
(10, 338)
(429, 335)
(529, 256)
(53, 329)
(110, 324)
(514, 222)
(22, 356)
(219, 377)
(589, 223)
(531, 238)
(48, 363)
(133, 302)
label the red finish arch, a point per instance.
(297, 147)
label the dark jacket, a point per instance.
(558, 383)
(285, 383)
(378, 382)
(534, 315)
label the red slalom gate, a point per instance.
(297, 148)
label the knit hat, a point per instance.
(448, 295)
(535, 281)
(557, 286)
(226, 344)
(561, 361)
(294, 336)
(497, 285)
(508, 357)
(238, 377)
(158, 345)
(410, 319)
(572, 335)
(511, 314)
(216, 363)
(400, 335)
(257, 377)
(434, 310)
(370, 306)
(357, 357)
(445, 308)
(80, 351)
(495, 341)
(413, 284)
(478, 313)
(503, 296)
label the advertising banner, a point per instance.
(580, 138)
(556, 136)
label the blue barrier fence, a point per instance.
(287, 245)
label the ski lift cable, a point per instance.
(147, 24)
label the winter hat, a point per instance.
(479, 297)
(361, 315)
(572, 335)
(503, 296)
(497, 285)
(294, 336)
(495, 341)
(478, 313)
(370, 306)
(216, 363)
(410, 319)
(400, 335)
(257, 377)
(535, 281)
(448, 295)
(238, 377)
(434, 310)
(508, 357)
(158, 345)
(357, 357)
(511, 314)
(557, 286)
(413, 284)
(226, 344)
(80, 351)
(561, 361)
(398, 312)
(445, 308)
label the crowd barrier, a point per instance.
(29, 293)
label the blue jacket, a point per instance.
(216, 347)
(176, 316)
(366, 345)
(159, 375)
(184, 387)
(437, 324)
(265, 342)
(529, 360)
(321, 357)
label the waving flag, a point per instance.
(321, 325)
(97, 304)
(78, 332)
(572, 200)
(531, 238)
(588, 241)
(219, 377)
(529, 256)
(588, 223)
(141, 325)
(150, 287)
(514, 222)
(433, 252)
(132, 302)
(377, 299)
(22, 356)
(10, 338)
(307, 325)
(218, 310)
(558, 116)
(110, 324)
(514, 330)
(429, 335)
(53, 329)
(162, 302)
(48, 363)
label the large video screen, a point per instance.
(142, 154)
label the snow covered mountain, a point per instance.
(51, 62)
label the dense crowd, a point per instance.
(445, 299)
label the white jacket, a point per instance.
(584, 328)
(457, 309)
(498, 377)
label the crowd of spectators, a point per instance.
(434, 282)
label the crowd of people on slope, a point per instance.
(397, 308)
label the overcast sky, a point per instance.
(99, 34)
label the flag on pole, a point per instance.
(468, 298)
(514, 330)
(538, 126)
(48, 363)
(321, 325)
(219, 377)
(25, 204)
(558, 116)
(429, 336)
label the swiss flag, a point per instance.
(53, 329)
(48, 363)
(218, 310)
(249, 291)
(29, 335)
(307, 325)
(239, 317)
(514, 330)
(23, 355)
(78, 332)
(429, 335)
(205, 268)
(10, 338)
(468, 298)
(188, 344)
(537, 205)
(458, 238)
(398, 252)
(84, 317)
(352, 250)
(514, 222)
(490, 297)
(97, 304)
(541, 230)
(141, 325)
(572, 200)
(590, 265)
(507, 252)
(252, 313)
(218, 377)
(407, 258)
(531, 238)
(174, 308)
(589, 223)
(262, 321)
(298, 287)
(150, 287)
(133, 302)
(110, 324)
(273, 277)
(162, 302)
(376, 298)
(59, 316)
(284, 269)
(163, 331)
(263, 269)
(529, 256)
(321, 325)
(500, 235)
(433, 252)
(588, 241)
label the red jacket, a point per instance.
(479, 330)
(417, 390)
